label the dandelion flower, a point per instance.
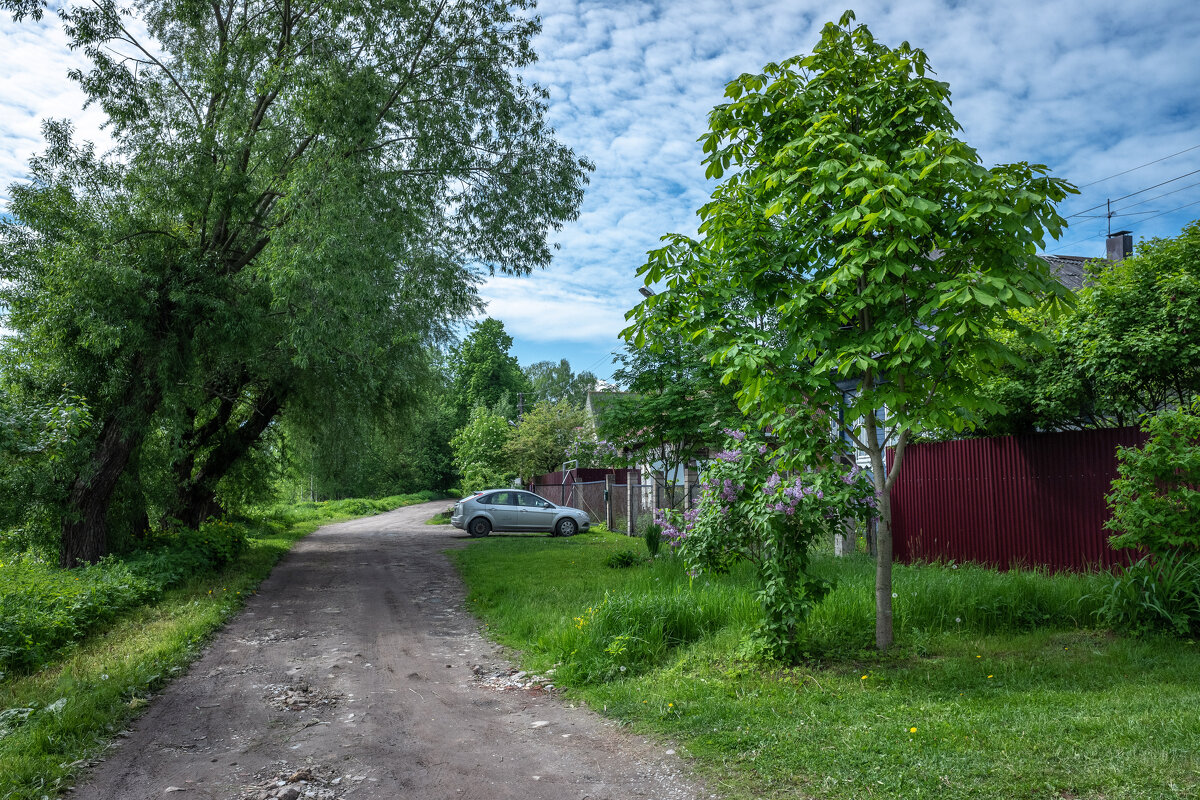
(863, 678)
(989, 676)
(912, 730)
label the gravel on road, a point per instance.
(356, 672)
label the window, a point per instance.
(532, 501)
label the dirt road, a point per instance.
(355, 672)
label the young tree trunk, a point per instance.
(883, 538)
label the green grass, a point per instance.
(440, 518)
(1011, 694)
(55, 719)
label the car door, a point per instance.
(536, 514)
(506, 514)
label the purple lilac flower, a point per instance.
(732, 434)
(762, 450)
(732, 456)
(772, 483)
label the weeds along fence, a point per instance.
(1032, 501)
(617, 496)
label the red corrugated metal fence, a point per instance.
(1035, 500)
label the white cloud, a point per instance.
(1089, 87)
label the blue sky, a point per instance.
(1089, 87)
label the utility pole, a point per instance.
(520, 406)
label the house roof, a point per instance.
(1070, 270)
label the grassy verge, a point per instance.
(54, 720)
(998, 690)
(440, 518)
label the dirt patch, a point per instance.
(356, 672)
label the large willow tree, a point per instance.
(300, 200)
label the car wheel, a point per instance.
(567, 527)
(479, 527)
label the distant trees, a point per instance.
(298, 206)
(541, 441)
(557, 383)
(484, 371)
(674, 410)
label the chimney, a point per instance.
(1120, 245)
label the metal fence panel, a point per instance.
(1008, 501)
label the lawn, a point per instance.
(999, 687)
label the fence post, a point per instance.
(609, 517)
(631, 503)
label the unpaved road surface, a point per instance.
(355, 672)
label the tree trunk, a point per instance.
(883, 569)
(198, 500)
(85, 525)
(883, 538)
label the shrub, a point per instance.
(752, 509)
(622, 559)
(1155, 501)
(44, 608)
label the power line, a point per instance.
(1172, 211)
(1157, 196)
(1134, 169)
(1134, 194)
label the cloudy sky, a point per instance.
(1091, 88)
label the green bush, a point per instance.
(44, 608)
(1155, 501)
(622, 559)
(1157, 593)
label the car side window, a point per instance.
(531, 500)
(487, 499)
(503, 499)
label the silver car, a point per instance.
(515, 510)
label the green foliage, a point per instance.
(1155, 594)
(43, 608)
(1155, 499)
(652, 534)
(282, 224)
(1131, 344)
(627, 633)
(556, 383)
(854, 242)
(484, 372)
(541, 441)
(39, 442)
(748, 510)
(622, 559)
(479, 451)
(671, 412)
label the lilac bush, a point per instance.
(752, 508)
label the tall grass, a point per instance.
(638, 626)
(932, 599)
